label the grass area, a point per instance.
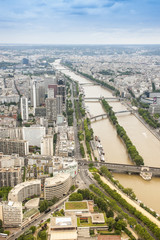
(93, 169)
(76, 205)
(88, 224)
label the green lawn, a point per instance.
(76, 205)
(93, 169)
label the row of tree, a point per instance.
(132, 151)
(102, 83)
(151, 226)
(69, 111)
(88, 135)
(127, 191)
(148, 118)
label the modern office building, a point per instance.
(24, 108)
(47, 145)
(10, 146)
(25, 190)
(10, 177)
(57, 186)
(11, 214)
(51, 109)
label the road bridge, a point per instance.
(89, 84)
(105, 115)
(88, 99)
(123, 168)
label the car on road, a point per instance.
(47, 210)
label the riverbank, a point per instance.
(133, 203)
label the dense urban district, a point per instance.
(55, 182)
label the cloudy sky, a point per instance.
(80, 21)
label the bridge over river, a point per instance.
(105, 115)
(124, 168)
(97, 99)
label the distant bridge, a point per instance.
(105, 115)
(99, 98)
(123, 168)
(89, 84)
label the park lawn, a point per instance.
(76, 205)
(93, 169)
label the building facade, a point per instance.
(11, 214)
(24, 108)
(57, 186)
(51, 109)
(24, 190)
(47, 145)
(9, 146)
(10, 177)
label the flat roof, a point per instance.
(59, 178)
(98, 218)
(20, 186)
(63, 222)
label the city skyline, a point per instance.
(80, 22)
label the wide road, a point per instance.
(38, 219)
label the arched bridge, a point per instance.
(105, 115)
(89, 84)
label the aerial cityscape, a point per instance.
(79, 120)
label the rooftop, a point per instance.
(20, 186)
(76, 205)
(63, 222)
(58, 179)
(98, 218)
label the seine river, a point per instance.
(146, 143)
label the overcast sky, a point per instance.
(80, 21)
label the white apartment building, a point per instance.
(47, 145)
(57, 186)
(24, 190)
(24, 108)
(11, 214)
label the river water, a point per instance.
(146, 143)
